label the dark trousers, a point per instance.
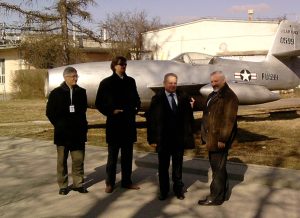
(77, 166)
(219, 184)
(164, 157)
(126, 163)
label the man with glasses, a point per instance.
(66, 110)
(118, 99)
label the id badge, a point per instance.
(72, 108)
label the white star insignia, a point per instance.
(245, 75)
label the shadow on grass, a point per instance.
(247, 136)
(278, 115)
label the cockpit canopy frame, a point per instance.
(194, 58)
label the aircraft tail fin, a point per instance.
(287, 40)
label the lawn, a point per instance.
(260, 140)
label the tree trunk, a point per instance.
(64, 31)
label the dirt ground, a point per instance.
(261, 139)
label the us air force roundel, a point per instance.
(245, 75)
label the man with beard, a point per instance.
(219, 127)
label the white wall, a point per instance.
(12, 62)
(212, 37)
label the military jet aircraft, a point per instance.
(252, 82)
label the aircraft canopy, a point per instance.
(194, 58)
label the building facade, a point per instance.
(11, 59)
(213, 37)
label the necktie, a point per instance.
(212, 97)
(173, 103)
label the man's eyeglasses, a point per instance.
(123, 64)
(73, 76)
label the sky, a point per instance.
(180, 11)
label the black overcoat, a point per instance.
(166, 129)
(219, 121)
(119, 93)
(69, 128)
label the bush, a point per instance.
(29, 83)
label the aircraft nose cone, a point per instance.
(206, 90)
(247, 94)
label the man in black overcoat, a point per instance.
(66, 110)
(219, 127)
(170, 131)
(118, 99)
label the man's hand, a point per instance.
(117, 111)
(221, 145)
(192, 101)
(153, 145)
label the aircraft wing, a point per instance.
(247, 93)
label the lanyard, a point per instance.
(71, 95)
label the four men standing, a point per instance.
(169, 128)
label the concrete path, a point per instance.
(28, 187)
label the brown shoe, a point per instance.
(131, 186)
(109, 189)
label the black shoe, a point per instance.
(207, 202)
(162, 197)
(80, 190)
(180, 195)
(63, 191)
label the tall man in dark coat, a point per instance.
(219, 127)
(118, 100)
(170, 123)
(66, 110)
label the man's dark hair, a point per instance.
(116, 61)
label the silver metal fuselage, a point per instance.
(149, 74)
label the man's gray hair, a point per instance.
(69, 70)
(219, 72)
(168, 75)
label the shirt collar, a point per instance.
(168, 93)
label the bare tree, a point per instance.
(123, 30)
(46, 51)
(60, 18)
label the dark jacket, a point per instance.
(219, 122)
(116, 93)
(69, 128)
(165, 128)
